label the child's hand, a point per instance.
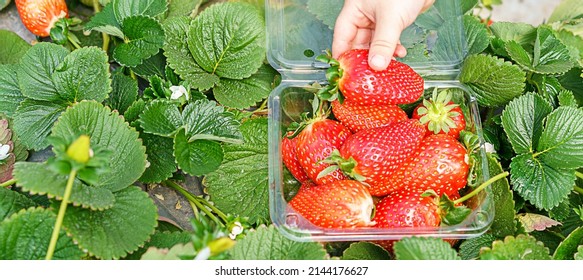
(375, 24)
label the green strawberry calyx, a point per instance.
(347, 166)
(331, 92)
(438, 113)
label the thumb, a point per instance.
(385, 40)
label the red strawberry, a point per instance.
(290, 158)
(39, 16)
(315, 143)
(357, 82)
(441, 164)
(340, 204)
(359, 117)
(441, 115)
(371, 155)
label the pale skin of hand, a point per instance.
(375, 25)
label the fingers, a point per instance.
(345, 31)
(385, 40)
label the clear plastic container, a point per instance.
(300, 30)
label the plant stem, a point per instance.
(193, 199)
(61, 215)
(481, 187)
(105, 36)
(578, 189)
(579, 174)
(8, 183)
(73, 43)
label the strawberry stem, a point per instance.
(579, 174)
(8, 183)
(481, 187)
(578, 189)
(200, 203)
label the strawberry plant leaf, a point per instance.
(542, 184)
(107, 132)
(197, 157)
(10, 95)
(39, 178)
(161, 240)
(105, 22)
(124, 9)
(161, 117)
(160, 158)
(176, 252)
(566, 10)
(233, 47)
(503, 223)
(179, 57)
(430, 19)
(144, 37)
(34, 119)
(561, 141)
(133, 112)
(207, 120)
(266, 243)
(574, 43)
(242, 94)
(522, 33)
(424, 248)
(123, 228)
(240, 186)
(536, 222)
(12, 47)
(521, 247)
(476, 35)
(548, 87)
(153, 66)
(494, 81)
(11, 202)
(470, 248)
(572, 81)
(26, 236)
(567, 99)
(365, 251)
(579, 254)
(522, 120)
(449, 45)
(326, 11)
(35, 74)
(178, 8)
(568, 248)
(83, 75)
(124, 92)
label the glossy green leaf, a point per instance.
(83, 75)
(26, 236)
(521, 247)
(105, 22)
(124, 9)
(117, 231)
(153, 66)
(240, 185)
(522, 120)
(124, 92)
(449, 45)
(11, 202)
(522, 33)
(365, 251)
(476, 35)
(197, 157)
(36, 71)
(566, 10)
(422, 248)
(206, 120)
(494, 81)
(178, 8)
(545, 186)
(38, 178)
(470, 248)
(10, 95)
(161, 162)
(567, 99)
(33, 121)
(266, 243)
(232, 47)
(161, 240)
(12, 47)
(569, 246)
(579, 254)
(242, 94)
(572, 81)
(179, 57)
(108, 131)
(161, 117)
(561, 141)
(503, 223)
(144, 37)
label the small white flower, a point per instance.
(236, 230)
(204, 254)
(4, 149)
(489, 148)
(178, 91)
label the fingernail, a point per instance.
(378, 62)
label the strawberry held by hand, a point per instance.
(359, 117)
(441, 164)
(351, 78)
(39, 16)
(340, 204)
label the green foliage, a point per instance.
(470, 248)
(326, 11)
(33, 226)
(421, 248)
(124, 92)
(161, 161)
(521, 247)
(503, 224)
(11, 202)
(266, 243)
(365, 251)
(161, 240)
(240, 186)
(12, 47)
(10, 95)
(570, 246)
